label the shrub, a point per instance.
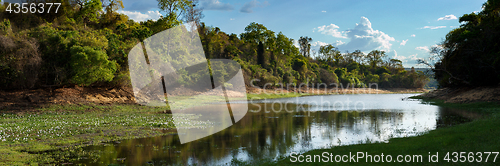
(89, 65)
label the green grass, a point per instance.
(480, 135)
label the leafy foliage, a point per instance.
(469, 56)
(88, 45)
(90, 65)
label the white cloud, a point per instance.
(413, 57)
(318, 43)
(399, 57)
(247, 7)
(404, 42)
(231, 19)
(364, 38)
(448, 17)
(323, 11)
(413, 35)
(331, 29)
(424, 48)
(339, 42)
(138, 16)
(216, 5)
(433, 27)
(315, 45)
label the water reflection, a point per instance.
(270, 130)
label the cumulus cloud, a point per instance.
(399, 57)
(216, 5)
(413, 35)
(315, 45)
(365, 38)
(138, 16)
(332, 30)
(247, 7)
(424, 48)
(318, 43)
(448, 17)
(433, 27)
(403, 42)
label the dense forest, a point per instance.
(470, 55)
(86, 43)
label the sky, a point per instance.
(405, 30)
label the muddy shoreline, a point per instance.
(465, 94)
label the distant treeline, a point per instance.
(87, 43)
(470, 54)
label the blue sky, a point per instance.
(404, 29)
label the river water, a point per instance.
(275, 128)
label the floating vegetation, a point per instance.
(56, 128)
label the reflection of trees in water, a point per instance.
(262, 135)
(449, 117)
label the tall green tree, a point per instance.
(305, 46)
(375, 58)
(261, 59)
(90, 11)
(182, 10)
(255, 33)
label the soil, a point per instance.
(28, 99)
(25, 99)
(465, 95)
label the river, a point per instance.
(277, 127)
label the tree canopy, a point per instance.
(470, 54)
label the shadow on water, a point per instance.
(270, 131)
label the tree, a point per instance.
(194, 13)
(284, 45)
(330, 53)
(305, 46)
(375, 58)
(255, 33)
(261, 60)
(358, 56)
(89, 65)
(469, 56)
(90, 11)
(112, 5)
(182, 10)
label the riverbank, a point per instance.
(23, 100)
(480, 135)
(465, 94)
